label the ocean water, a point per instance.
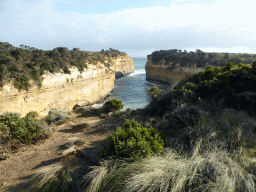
(131, 89)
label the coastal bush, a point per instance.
(134, 141)
(81, 109)
(22, 83)
(154, 92)
(20, 65)
(245, 101)
(56, 117)
(32, 114)
(235, 129)
(184, 116)
(230, 86)
(12, 126)
(166, 103)
(200, 58)
(113, 105)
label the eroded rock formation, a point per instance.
(169, 72)
(63, 91)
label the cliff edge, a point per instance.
(173, 65)
(169, 73)
(63, 91)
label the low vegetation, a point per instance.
(112, 105)
(24, 66)
(56, 117)
(15, 131)
(199, 57)
(208, 141)
(134, 141)
(154, 92)
(52, 178)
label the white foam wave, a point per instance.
(138, 72)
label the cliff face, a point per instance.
(122, 65)
(63, 91)
(169, 72)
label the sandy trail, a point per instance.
(21, 165)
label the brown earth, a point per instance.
(16, 170)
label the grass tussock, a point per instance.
(209, 152)
(214, 170)
(212, 152)
(51, 178)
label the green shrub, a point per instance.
(167, 102)
(113, 105)
(66, 70)
(32, 114)
(229, 86)
(56, 116)
(25, 128)
(154, 92)
(20, 65)
(134, 141)
(21, 83)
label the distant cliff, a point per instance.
(64, 90)
(171, 66)
(171, 74)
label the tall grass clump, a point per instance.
(51, 178)
(233, 127)
(210, 152)
(211, 170)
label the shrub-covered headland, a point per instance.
(199, 57)
(19, 65)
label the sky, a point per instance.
(136, 27)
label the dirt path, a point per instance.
(21, 165)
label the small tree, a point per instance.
(154, 92)
(113, 105)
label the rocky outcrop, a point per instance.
(168, 72)
(122, 65)
(63, 91)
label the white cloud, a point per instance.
(226, 23)
(184, 1)
(218, 16)
(67, 2)
(238, 49)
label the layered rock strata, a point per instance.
(63, 91)
(168, 73)
(122, 65)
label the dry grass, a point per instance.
(215, 170)
(50, 178)
(75, 141)
(222, 157)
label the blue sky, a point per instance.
(135, 27)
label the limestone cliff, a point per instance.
(122, 65)
(63, 91)
(169, 72)
(173, 65)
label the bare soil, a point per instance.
(16, 170)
